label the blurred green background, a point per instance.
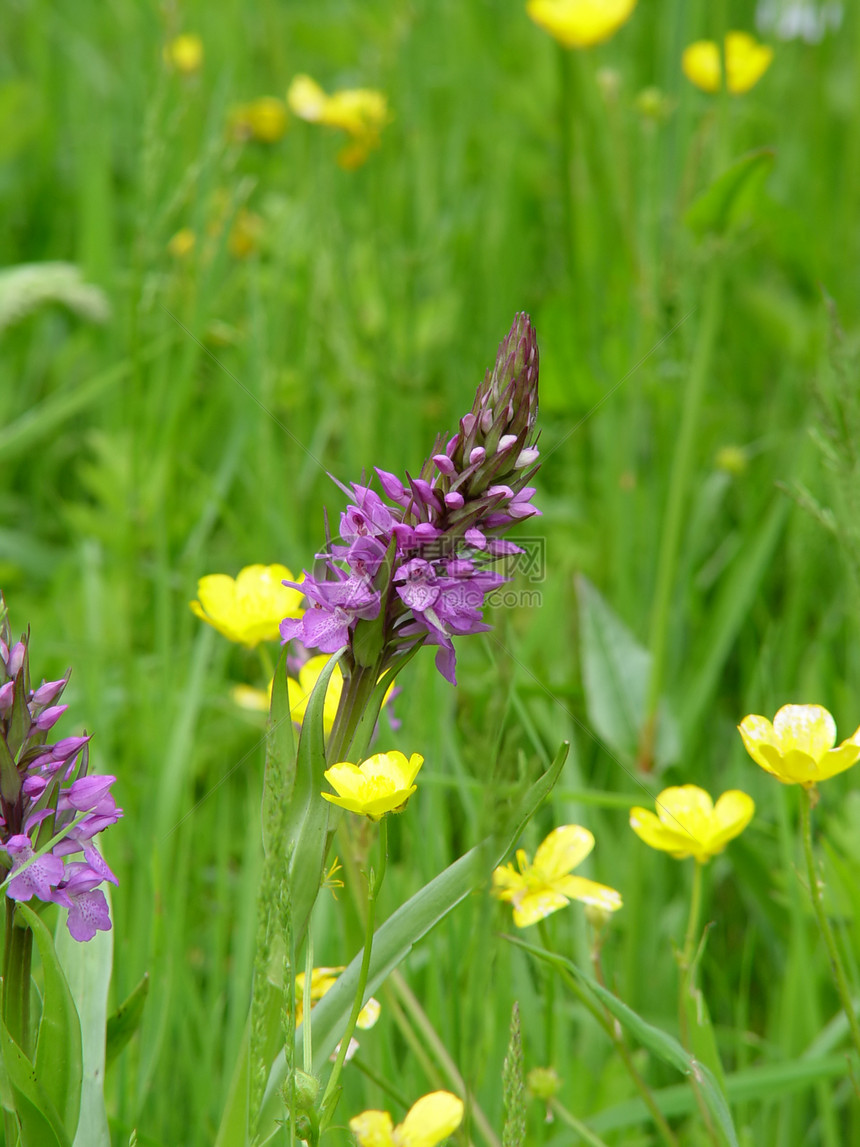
(191, 430)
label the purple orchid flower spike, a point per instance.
(415, 570)
(44, 788)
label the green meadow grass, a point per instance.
(193, 433)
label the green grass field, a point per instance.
(700, 487)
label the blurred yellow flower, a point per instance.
(360, 112)
(798, 747)
(300, 691)
(254, 700)
(746, 63)
(185, 54)
(539, 889)
(244, 237)
(688, 823)
(322, 980)
(383, 783)
(580, 23)
(182, 243)
(433, 1118)
(248, 608)
(264, 120)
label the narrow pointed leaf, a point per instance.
(307, 817)
(235, 1121)
(40, 1124)
(280, 769)
(125, 1021)
(731, 194)
(615, 671)
(58, 1064)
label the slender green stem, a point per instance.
(353, 702)
(374, 884)
(685, 987)
(692, 922)
(679, 483)
(823, 923)
(584, 1133)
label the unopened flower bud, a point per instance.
(477, 456)
(526, 457)
(307, 1090)
(543, 1082)
(443, 464)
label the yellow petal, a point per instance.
(535, 905)
(580, 23)
(663, 837)
(562, 850)
(433, 1118)
(758, 734)
(369, 1014)
(255, 700)
(808, 728)
(507, 882)
(590, 892)
(841, 758)
(746, 61)
(372, 1129)
(700, 63)
(306, 99)
(732, 813)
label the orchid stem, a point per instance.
(823, 923)
(374, 884)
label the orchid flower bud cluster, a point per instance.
(413, 570)
(44, 788)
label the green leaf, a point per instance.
(394, 940)
(731, 195)
(664, 1046)
(58, 1062)
(88, 968)
(615, 672)
(235, 1121)
(307, 817)
(40, 1124)
(125, 1021)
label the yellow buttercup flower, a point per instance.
(688, 823)
(299, 692)
(185, 54)
(539, 889)
(322, 981)
(360, 112)
(433, 1118)
(580, 23)
(746, 63)
(383, 783)
(247, 609)
(182, 243)
(264, 120)
(798, 747)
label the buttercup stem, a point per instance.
(685, 984)
(374, 885)
(565, 1116)
(821, 916)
